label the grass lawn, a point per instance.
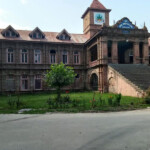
(79, 102)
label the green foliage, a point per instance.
(60, 76)
(110, 101)
(117, 100)
(72, 102)
(14, 102)
(147, 98)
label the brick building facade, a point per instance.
(26, 55)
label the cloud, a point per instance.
(24, 2)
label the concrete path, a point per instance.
(101, 131)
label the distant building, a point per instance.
(95, 55)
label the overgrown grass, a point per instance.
(80, 102)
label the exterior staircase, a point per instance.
(137, 75)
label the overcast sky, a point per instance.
(55, 15)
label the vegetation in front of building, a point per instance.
(69, 102)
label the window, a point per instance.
(109, 45)
(52, 56)
(63, 35)
(10, 55)
(24, 82)
(38, 82)
(37, 34)
(65, 57)
(77, 76)
(10, 33)
(24, 56)
(76, 57)
(37, 56)
(10, 83)
(94, 53)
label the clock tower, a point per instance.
(95, 17)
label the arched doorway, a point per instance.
(94, 82)
(125, 52)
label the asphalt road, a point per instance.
(101, 131)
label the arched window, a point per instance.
(10, 55)
(52, 56)
(24, 56)
(94, 82)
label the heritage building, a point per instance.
(106, 58)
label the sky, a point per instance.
(55, 15)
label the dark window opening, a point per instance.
(109, 45)
(141, 52)
(94, 82)
(94, 53)
(77, 76)
(125, 52)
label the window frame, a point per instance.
(12, 54)
(75, 56)
(64, 51)
(40, 54)
(21, 83)
(21, 54)
(52, 60)
(37, 77)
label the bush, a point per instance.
(110, 101)
(117, 100)
(147, 98)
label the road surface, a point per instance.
(95, 131)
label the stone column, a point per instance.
(105, 52)
(115, 52)
(145, 53)
(136, 54)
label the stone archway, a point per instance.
(94, 82)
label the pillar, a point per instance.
(115, 52)
(136, 54)
(145, 53)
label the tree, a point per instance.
(60, 76)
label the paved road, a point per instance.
(102, 131)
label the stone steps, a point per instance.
(137, 74)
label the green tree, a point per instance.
(60, 76)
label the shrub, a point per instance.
(110, 101)
(117, 100)
(147, 98)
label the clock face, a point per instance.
(99, 18)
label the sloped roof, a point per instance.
(37, 29)
(49, 37)
(97, 5)
(64, 31)
(9, 28)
